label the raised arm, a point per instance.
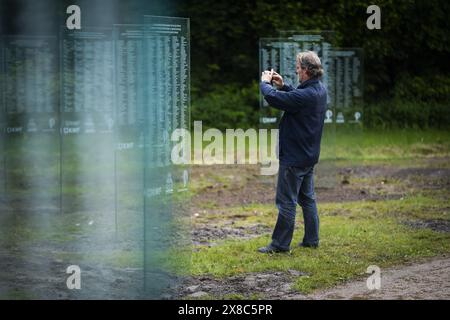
(289, 101)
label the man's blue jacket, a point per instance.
(302, 122)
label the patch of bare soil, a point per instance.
(232, 185)
(435, 225)
(268, 285)
(243, 184)
(208, 234)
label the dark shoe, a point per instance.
(307, 245)
(270, 249)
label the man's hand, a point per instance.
(277, 80)
(266, 76)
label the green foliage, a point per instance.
(398, 113)
(225, 35)
(418, 101)
(413, 44)
(425, 88)
(229, 106)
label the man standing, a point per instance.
(299, 148)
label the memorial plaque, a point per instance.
(347, 85)
(319, 42)
(169, 95)
(87, 121)
(30, 108)
(169, 78)
(87, 82)
(346, 64)
(30, 69)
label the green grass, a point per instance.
(374, 144)
(392, 144)
(18, 294)
(410, 207)
(354, 235)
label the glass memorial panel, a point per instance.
(30, 178)
(88, 182)
(166, 212)
(3, 202)
(30, 116)
(346, 65)
(131, 105)
(86, 175)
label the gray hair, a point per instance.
(310, 61)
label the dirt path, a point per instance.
(416, 281)
(428, 280)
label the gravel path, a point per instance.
(428, 280)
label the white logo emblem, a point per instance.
(74, 280)
(328, 116)
(374, 281)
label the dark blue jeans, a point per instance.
(295, 185)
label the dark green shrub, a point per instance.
(229, 106)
